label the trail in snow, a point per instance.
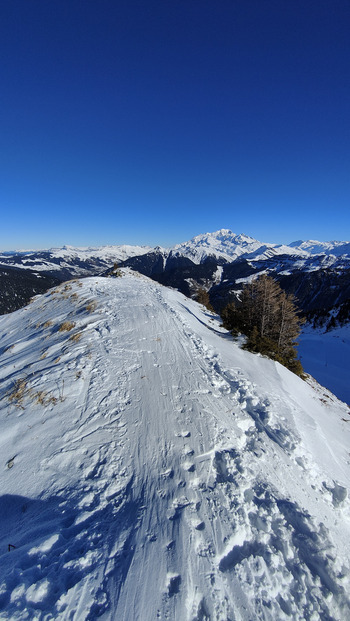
(171, 475)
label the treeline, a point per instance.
(268, 316)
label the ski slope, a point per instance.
(151, 469)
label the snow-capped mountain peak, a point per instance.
(222, 244)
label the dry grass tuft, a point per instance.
(21, 390)
(91, 306)
(75, 337)
(18, 392)
(66, 326)
(44, 398)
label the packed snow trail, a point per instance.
(153, 470)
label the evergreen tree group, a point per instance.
(269, 318)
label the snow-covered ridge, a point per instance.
(77, 260)
(152, 469)
(336, 248)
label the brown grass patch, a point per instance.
(91, 306)
(66, 326)
(18, 392)
(75, 337)
(44, 398)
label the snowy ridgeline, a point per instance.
(153, 470)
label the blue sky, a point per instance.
(133, 121)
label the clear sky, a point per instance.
(151, 121)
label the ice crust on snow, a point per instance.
(160, 472)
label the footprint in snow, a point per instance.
(183, 434)
(189, 466)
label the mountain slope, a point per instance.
(326, 355)
(69, 261)
(152, 469)
(18, 286)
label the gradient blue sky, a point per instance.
(151, 121)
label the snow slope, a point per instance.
(326, 356)
(153, 470)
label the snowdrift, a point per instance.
(153, 470)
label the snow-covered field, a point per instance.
(326, 356)
(153, 470)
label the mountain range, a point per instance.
(316, 272)
(222, 245)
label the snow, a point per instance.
(70, 257)
(224, 244)
(311, 246)
(326, 356)
(151, 469)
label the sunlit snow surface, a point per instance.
(150, 469)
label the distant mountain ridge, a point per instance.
(316, 272)
(222, 244)
(70, 260)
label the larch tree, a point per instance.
(269, 318)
